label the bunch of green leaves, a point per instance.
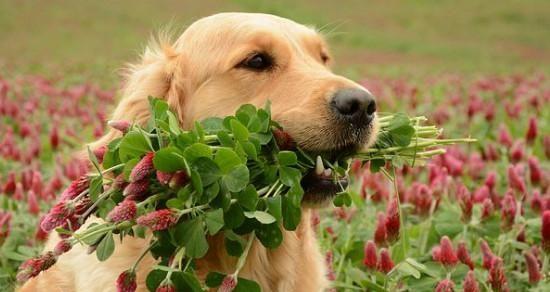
(241, 186)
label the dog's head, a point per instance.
(226, 60)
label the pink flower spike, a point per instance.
(504, 136)
(515, 179)
(536, 202)
(487, 209)
(532, 130)
(228, 284)
(124, 211)
(164, 177)
(535, 171)
(392, 221)
(385, 265)
(143, 168)
(463, 255)
(545, 231)
(120, 125)
(532, 268)
(491, 179)
(380, 231)
(158, 220)
(168, 287)
(445, 285)
(487, 254)
(126, 281)
(99, 153)
(32, 203)
(447, 255)
(62, 247)
(470, 283)
(371, 258)
(75, 188)
(496, 278)
(508, 211)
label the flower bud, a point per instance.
(99, 153)
(143, 168)
(445, 285)
(32, 203)
(532, 268)
(54, 137)
(62, 247)
(517, 152)
(447, 255)
(487, 255)
(120, 125)
(32, 267)
(167, 287)
(137, 190)
(536, 202)
(487, 209)
(470, 283)
(392, 221)
(179, 179)
(9, 186)
(126, 281)
(515, 179)
(496, 278)
(535, 171)
(5, 227)
(124, 211)
(545, 231)
(504, 136)
(380, 231)
(466, 203)
(164, 177)
(58, 216)
(385, 265)
(532, 130)
(158, 220)
(508, 211)
(228, 284)
(75, 188)
(371, 258)
(491, 180)
(463, 255)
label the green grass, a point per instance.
(92, 39)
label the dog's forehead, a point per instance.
(242, 26)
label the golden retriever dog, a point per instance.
(219, 63)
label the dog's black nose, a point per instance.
(353, 104)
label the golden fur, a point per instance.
(197, 75)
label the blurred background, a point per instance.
(95, 38)
(476, 68)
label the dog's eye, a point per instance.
(257, 62)
(325, 58)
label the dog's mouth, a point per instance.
(322, 183)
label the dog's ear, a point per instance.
(152, 76)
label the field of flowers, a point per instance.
(475, 219)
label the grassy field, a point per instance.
(95, 38)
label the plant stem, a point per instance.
(343, 252)
(112, 168)
(242, 259)
(402, 233)
(143, 254)
(426, 233)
